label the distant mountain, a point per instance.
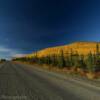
(80, 47)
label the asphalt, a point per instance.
(22, 82)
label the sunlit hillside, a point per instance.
(80, 47)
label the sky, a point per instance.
(30, 25)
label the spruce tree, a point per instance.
(97, 57)
(67, 60)
(90, 63)
(97, 49)
(76, 60)
(53, 60)
(82, 62)
(71, 58)
(61, 60)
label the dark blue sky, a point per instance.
(29, 25)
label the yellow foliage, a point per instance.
(80, 47)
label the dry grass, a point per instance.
(91, 75)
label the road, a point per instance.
(22, 82)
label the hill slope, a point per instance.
(80, 47)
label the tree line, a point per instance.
(89, 62)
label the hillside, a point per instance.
(87, 65)
(80, 47)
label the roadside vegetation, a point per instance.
(2, 60)
(87, 65)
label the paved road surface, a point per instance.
(21, 82)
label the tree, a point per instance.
(54, 61)
(82, 64)
(61, 60)
(97, 49)
(72, 58)
(90, 62)
(97, 59)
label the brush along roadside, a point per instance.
(69, 71)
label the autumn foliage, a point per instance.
(83, 58)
